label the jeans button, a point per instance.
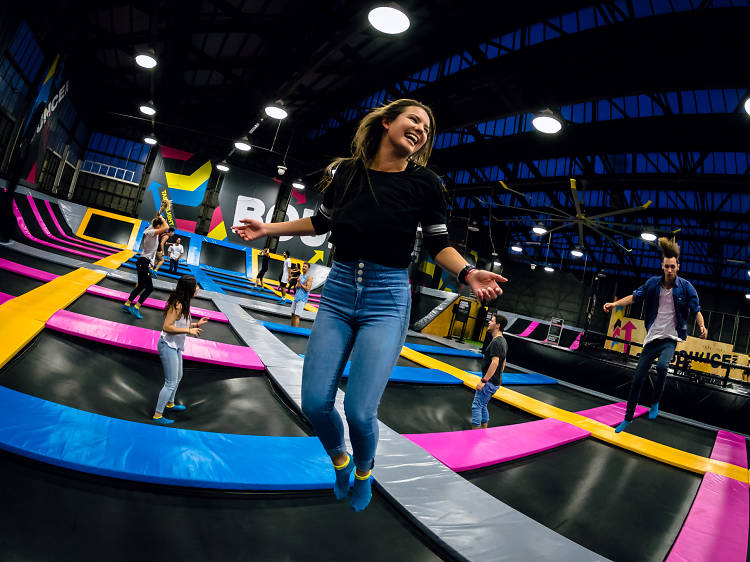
(359, 280)
(359, 272)
(361, 264)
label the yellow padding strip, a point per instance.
(87, 217)
(15, 332)
(116, 260)
(639, 445)
(23, 317)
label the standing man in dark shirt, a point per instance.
(493, 365)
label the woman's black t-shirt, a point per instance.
(378, 222)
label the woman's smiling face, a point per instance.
(409, 131)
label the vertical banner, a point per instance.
(247, 195)
(43, 119)
(181, 177)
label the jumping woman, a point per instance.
(177, 325)
(372, 206)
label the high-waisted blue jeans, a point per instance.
(364, 310)
(171, 361)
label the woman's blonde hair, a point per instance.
(669, 248)
(370, 131)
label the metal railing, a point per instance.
(109, 171)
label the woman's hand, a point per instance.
(250, 229)
(485, 284)
(202, 321)
(195, 331)
(480, 384)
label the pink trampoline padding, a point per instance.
(530, 328)
(51, 236)
(5, 297)
(114, 294)
(26, 271)
(27, 233)
(466, 450)
(145, 340)
(611, 414)
(716, 527)
(222, 354)
(730, 447)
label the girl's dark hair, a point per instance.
(182, 295)
(669, 248)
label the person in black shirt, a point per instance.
(493, 365)
(263, 267)
(372, 206)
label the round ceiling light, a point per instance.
(648, 236)
(547, 122)
(222, 166)
(149, 140)
(276, 111)
(388, 19)
(146, 60)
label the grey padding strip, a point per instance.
(468, 522)
(448, 299)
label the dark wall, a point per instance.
(543, 295)
(106, 193)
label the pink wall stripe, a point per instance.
(530, 328)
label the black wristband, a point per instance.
(464, 272)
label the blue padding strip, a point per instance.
(436, 350)
(522, 378)
(204, 280)
(224, 271)
(284, 329)
(144, 452)
(231, 282)
(417, 375)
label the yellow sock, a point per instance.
(157, 416)
(127, 303)
(137, 305)
(365, 477)
(340, 466)
(170, 405)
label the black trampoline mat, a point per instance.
(298, 344)
(276, 319)
(223, 257)
(674, 434)
(561, 396)
(51, 514)
(619, 504)
(153, 319)
(430, 408)
(109, 229)
(33, 261)
(518, 326)
(126, 288)
(15, 284)
(125, 384)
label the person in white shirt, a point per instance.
(175, 254)
(668, 302)
(149, 245)
(284, 279)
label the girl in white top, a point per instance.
(177, 325)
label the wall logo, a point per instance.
(52, 105)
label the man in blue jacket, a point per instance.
(669, 300)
